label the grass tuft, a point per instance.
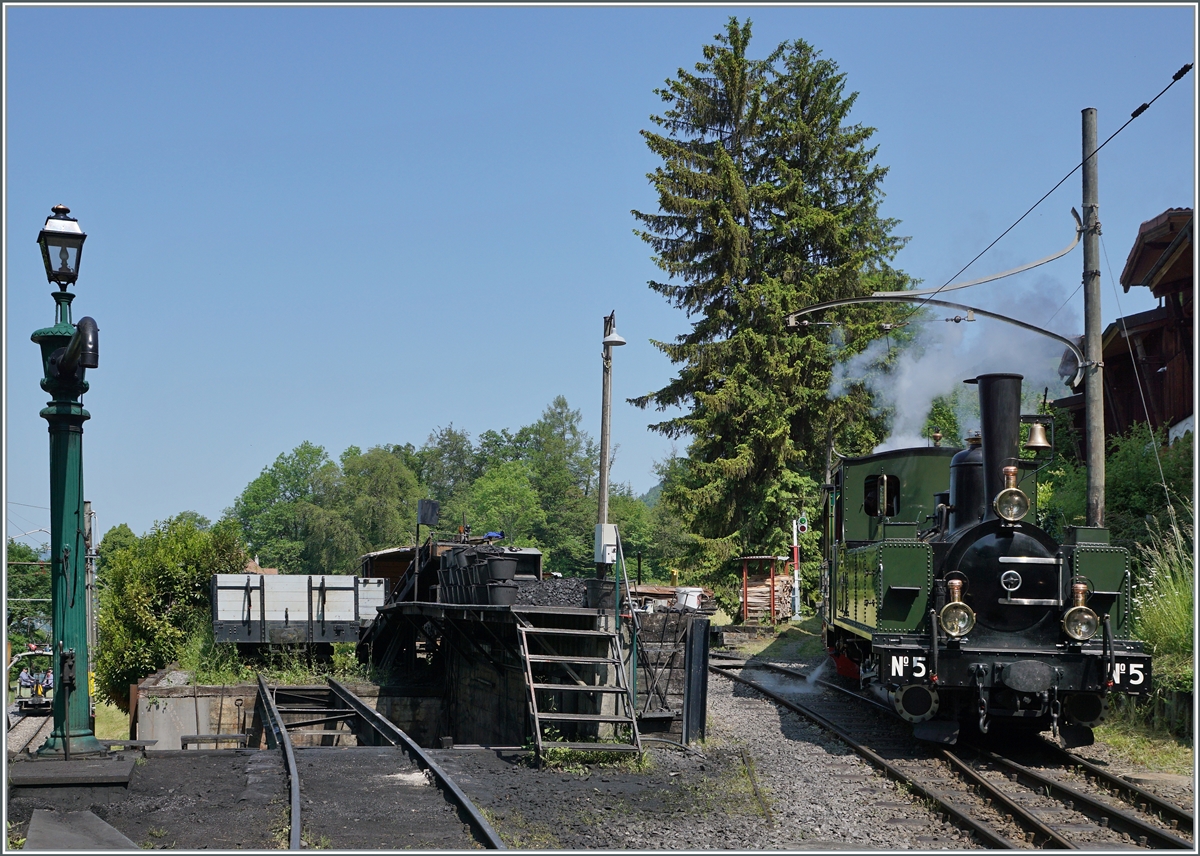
(1136, 744)
(216, 664)
(1165, 616)
(521, 833)
(15, 841)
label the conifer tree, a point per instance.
(768, 202)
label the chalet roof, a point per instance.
(1162, 253)
(1114, 332)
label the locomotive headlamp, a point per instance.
(61, 241)
(1011, 503)
(956, 617)
(1079, 622)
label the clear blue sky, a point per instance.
(354, 225)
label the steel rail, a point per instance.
(1127, 790)
(986, 835)
(795, 673)
(1130, 792)
(1121, 820)
(955, 763)
(388, 731)
(43, 718)
(277, 733)
(998, 796)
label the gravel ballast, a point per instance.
(812, 793)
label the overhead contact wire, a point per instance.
(1139, 111)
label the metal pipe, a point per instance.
(83, 349)
(1000, 417)
(1112, 656)
(933, 625)
(772, 591)
(745, 593)
(793, 320)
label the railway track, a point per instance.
(356, 781)
(1003, 803)
(27, 733)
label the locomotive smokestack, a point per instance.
(1000, 425)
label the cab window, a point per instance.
(881, 496)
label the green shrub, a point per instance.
(155, 596)
(1134, 488)
(212, 663)
(1163, 603)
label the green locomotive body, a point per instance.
(940, 593)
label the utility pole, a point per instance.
(1093, 377)
(610, 323)
(606, 545)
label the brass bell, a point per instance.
(1037, 438)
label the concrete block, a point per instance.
(72, 832)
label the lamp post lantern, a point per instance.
(68, 350)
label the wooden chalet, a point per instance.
(1148, 372)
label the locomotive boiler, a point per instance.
(942, 595)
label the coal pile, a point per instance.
(552, 591)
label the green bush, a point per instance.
(155, 595)
(212, 663)
(1134, 488)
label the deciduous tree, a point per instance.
(26, 594)
(503, 499)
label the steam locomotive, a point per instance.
(942, 596)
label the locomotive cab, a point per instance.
(941, 593)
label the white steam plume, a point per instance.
(936, 363)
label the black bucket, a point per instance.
(599, 593)
(479, 595)
(502, 593)
(502, 567)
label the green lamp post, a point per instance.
(67, 351)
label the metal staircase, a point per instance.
(576, 683)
